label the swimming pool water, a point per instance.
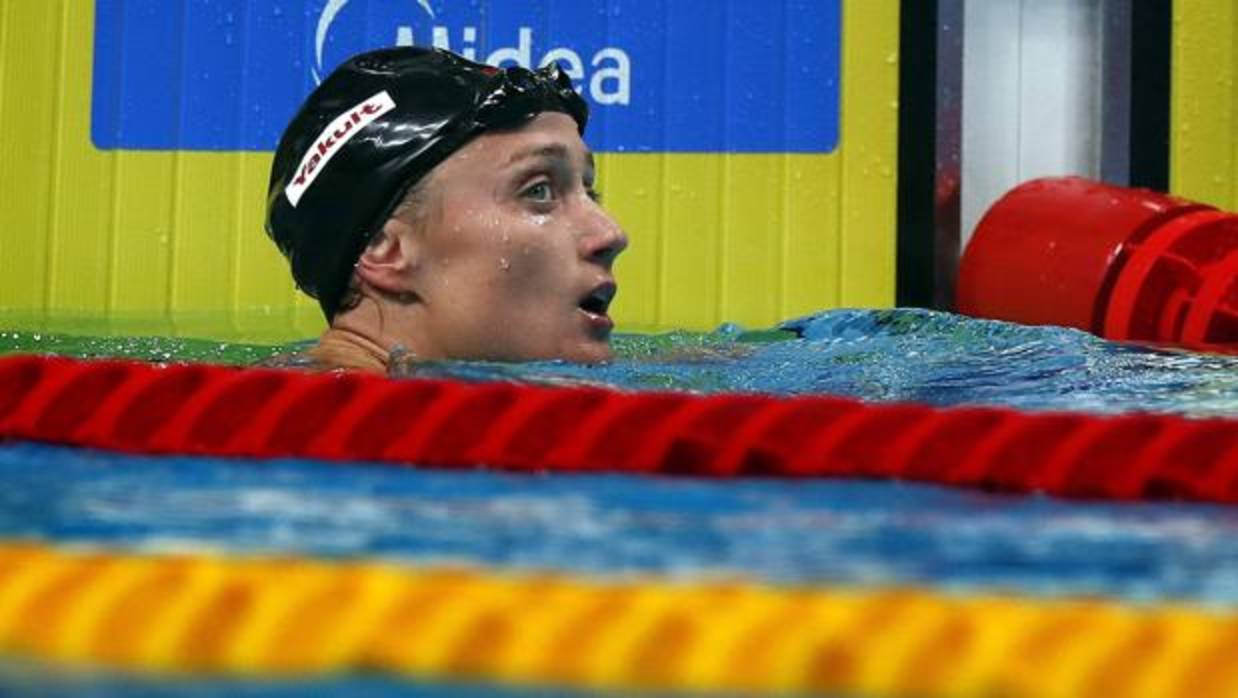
(600, 526)
(608, 526)
(887, 355)
(939, 359)
(779, 531)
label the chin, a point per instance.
(589, 353)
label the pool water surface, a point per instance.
(611, 526)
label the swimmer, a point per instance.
(440, 209)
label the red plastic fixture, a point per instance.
(1122, 263)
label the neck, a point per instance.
(343, 348)
(365, 336)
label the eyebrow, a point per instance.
(554, 150)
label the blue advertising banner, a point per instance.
(666, 76)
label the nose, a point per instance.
(604, 239)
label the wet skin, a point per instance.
(510, 255)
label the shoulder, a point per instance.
(333, 351)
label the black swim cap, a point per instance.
(374, 127)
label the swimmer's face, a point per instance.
(515, 253)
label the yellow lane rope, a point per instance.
(296, 617)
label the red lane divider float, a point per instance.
(198, 409)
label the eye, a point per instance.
(540, 192)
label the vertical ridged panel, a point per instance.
(307, 320)
(751, 211)
(27, 152)
(690, 241)
(204, 243)
(143, 205)
(814, 198)
(869, 153)
(306, 315)
(264, 295)
(752, 221)
(81, 188)
(691, 189)
(1204, 107)
(631, 186)
(762, 237)
(4, 40)
(250, 171)
(143, 227)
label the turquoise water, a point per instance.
(776, 531)
(930, 357)
(615, 526)
(601, 526)
(884, 355)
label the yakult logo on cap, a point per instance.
(332, 138)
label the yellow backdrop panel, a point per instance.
(1204, 155)
(171, 242)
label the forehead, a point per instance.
(547, 134)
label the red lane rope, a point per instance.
(197, 409)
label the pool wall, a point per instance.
(1204, 103)
(756, 183)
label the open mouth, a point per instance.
(598, 300)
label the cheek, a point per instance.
(533, 257)
(504, 257)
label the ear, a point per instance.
(386, 262)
